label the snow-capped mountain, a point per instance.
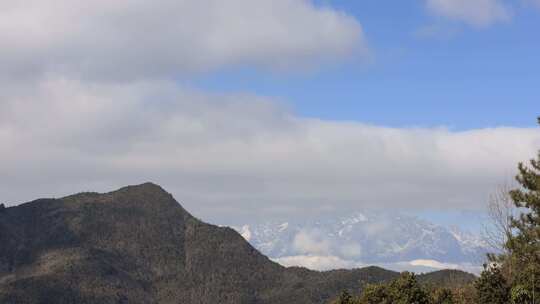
(392, 240)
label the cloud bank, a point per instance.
(133, 39)
(239, 154)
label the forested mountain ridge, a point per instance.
(138, 245)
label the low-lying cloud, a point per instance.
(239, 154)
(318, 262)
(330, 262)
(311, 242)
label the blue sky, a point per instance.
(459, 76)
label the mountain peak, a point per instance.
(148, 194)
(146, 187)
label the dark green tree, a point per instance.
(407, 290)
(375, 294)
(520, 295)
(523, 245)
(442, 296)
(345, 298)
(492, 287)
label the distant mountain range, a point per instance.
(138, 245)
(389, 239)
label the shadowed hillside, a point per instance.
(138, 245)
(446, 278)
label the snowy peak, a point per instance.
(245, 232)
(362, 238)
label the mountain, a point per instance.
(138, 245)
(371, 237)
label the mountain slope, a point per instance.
(447, 278)
(138, 245)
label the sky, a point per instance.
(425, 69)
(246, 109)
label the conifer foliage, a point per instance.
(491, 287)
(513, 276)
(523, 260)
(403, 290)
(525, 243)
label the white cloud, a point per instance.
(478, 13)
(239, 154)
(245, 232)
(352, 250)
(136, 39)
(311, 242)
(330, 262)
(317, 262)
(433, 264)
